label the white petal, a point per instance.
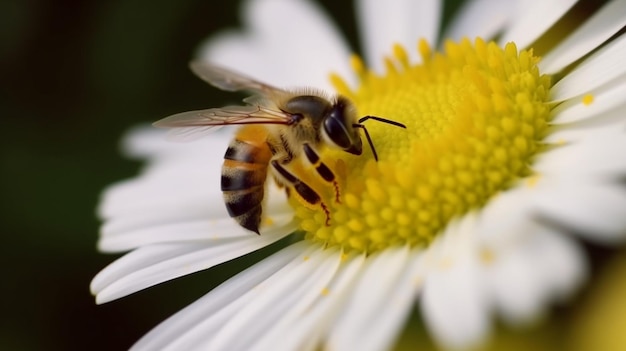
(453, 301)
(520, 255)
(204, 229)
(146, 141)
(480, 18)
(143, 141)
(533, 19)
(196, 192)
(597, 29)
(175, 193)
(287, 43)
(390, 319)
(540, 267)
(385, 23)
(564, 265)
(177, 215)
(137, 260)
(525, 264)
(380, 303)
(516, 286)
(122, 224)
(193, 319)
(458, 325)
(197, 336)
(203, 334)
(453, 308)
(178, 178)
(605, 99)
(594, 210)
(151, 265)
(609, 124)
(599, 157)
(509, 209)
(305, 330)
(602, 67)
(291, 295)
(192, 220)
(173, 231)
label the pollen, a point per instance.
(475, 116)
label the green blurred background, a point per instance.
(75, 75)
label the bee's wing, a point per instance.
(194, 124)
(225, 79)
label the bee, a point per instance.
(279, 127)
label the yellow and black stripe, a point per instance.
(243, 176)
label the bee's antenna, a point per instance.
(367, 134)
(380, 119)
(369, 140)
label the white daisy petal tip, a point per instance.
(527, 265)
(453, 302)
(276, 51)
(469, 20)
(157, 262)
(456, 322)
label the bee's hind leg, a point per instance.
(306, 192)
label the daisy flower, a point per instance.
(472, 212)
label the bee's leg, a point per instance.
(306, 192)
(280, 149)
(321, 168)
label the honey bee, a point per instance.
(280, 127)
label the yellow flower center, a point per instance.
(475, 115)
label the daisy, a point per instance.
(471, 213)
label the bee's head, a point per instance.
(339, 128)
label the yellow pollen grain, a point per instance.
(588, 99)
(268, 220)
(446, 263)
(532, 181)
(475, 117)
(487, 256)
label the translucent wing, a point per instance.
(193, 124)
(185, 134)
(225, 79)
(262, 109)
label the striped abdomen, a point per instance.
(243, 176)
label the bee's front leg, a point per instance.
(321, 168)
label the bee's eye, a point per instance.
(336, 131)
